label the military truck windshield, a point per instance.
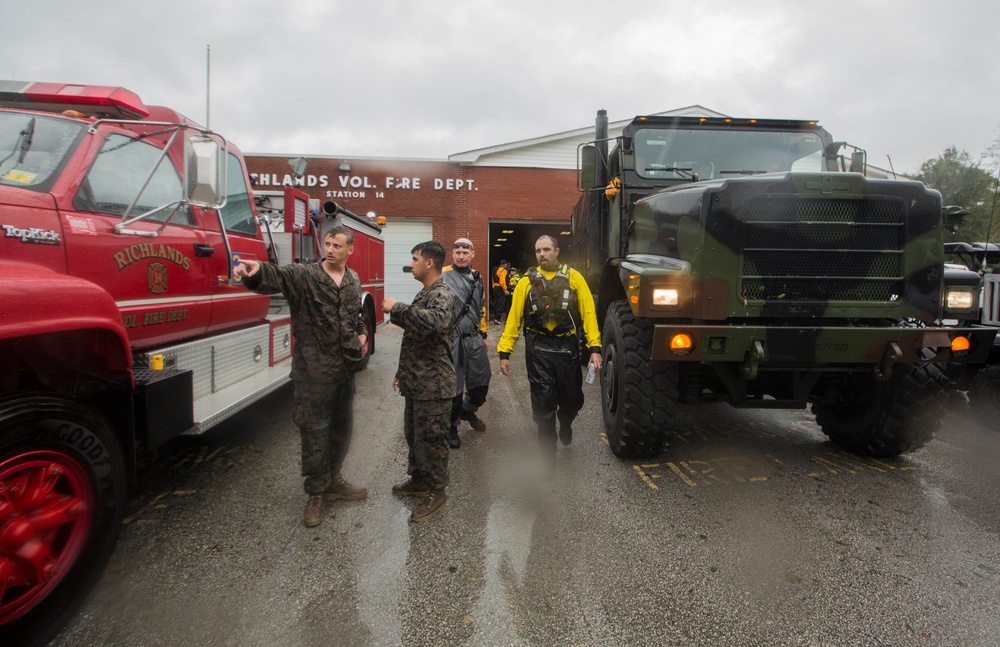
(33, 148)
(704, 153)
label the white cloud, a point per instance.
(427, 78)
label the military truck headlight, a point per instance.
(958, 300)
(665, 297)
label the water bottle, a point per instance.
(591, 373)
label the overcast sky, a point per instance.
(425, 79)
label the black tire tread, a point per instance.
(893, 417)
(984, 396)
(649, 390)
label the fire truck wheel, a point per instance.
(984, 396)
(638, 396)
(874, 418)
(62, 496)
(368, 317)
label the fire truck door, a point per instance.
(161, 272)
(232, 303)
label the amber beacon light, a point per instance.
(681, 344)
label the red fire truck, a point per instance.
(121, 324)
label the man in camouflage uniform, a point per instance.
(426, 378)
(471, 359)
(330, 335)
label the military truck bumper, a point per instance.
(797, 347)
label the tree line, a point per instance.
(971, 184)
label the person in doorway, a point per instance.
(499, 290)
(556, 307)
(426, 378)
(513, 278)
(508, 290)
(330, 335)
(470, 354)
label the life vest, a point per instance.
(550, 300)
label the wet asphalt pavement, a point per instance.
(750, 529)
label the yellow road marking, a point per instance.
(645, 477)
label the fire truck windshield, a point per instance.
(33, 148)
(705, 153)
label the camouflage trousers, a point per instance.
(425, 426)
(324, 415)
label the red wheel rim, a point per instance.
(45, 504)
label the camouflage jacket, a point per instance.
(326, 319)
(425, 370)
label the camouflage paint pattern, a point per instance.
(768, 257)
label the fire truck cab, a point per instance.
(121, 324)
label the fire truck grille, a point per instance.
(821, 250)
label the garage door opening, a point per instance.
(515, 241)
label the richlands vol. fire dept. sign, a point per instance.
(361, 186)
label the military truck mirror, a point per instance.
(588, 167)
(954, 216)
(858, 162)
(204, 162)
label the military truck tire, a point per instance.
(638, 396)
(875, 418)
(62, 496)
(984, 396)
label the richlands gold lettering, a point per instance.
(135, 253)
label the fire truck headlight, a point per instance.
(958, 300)
(666, 297)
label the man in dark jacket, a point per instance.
(426, 378)
(325, 303)
(470, 354)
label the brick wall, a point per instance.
(460, 200)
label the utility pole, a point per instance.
(208, 86)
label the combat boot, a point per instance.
(547, 445)
(473, 420)
(429, 508)
(313, 515)
(565, 431)
(453, 440)
(413, 487)
(341, 489)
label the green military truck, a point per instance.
(746, 261)
(981, 382)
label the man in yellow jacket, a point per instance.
(555, 306)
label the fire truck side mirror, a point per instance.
(204, 172)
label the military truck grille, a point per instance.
(818, 249)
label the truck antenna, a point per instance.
(891, 169)
(208, 86)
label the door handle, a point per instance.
(203, 249)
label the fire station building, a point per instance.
(502, 197)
